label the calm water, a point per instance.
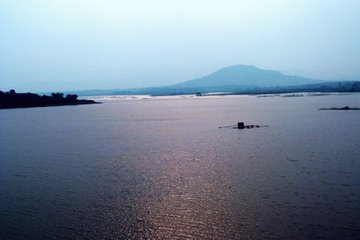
(162, 169)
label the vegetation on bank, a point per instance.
(12, 99)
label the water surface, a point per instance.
(160, 168)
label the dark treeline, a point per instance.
(12, 99)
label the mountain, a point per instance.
(234, 79)
(240, 79)
(245, 76)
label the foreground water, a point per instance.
(161, 168)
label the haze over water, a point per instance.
(162, 169)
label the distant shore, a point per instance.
(12, 99)
(341, 108)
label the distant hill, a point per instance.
(246, 76)
(240, 79)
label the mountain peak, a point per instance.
(239, 66)
(247, 76)
(237, 70)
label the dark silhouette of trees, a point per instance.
(57, 95)
(71, 97)
(12, 99)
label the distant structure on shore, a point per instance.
(12, 99)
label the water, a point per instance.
(160, 168)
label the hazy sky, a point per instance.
(53, 45)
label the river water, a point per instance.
(161, 168)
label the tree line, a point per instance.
(11, 99)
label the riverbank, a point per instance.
(12, 99)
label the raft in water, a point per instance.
(241, 125)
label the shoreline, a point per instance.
(11, 99)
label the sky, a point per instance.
(54, 45)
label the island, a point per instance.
(12, 99)
(340, 108)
